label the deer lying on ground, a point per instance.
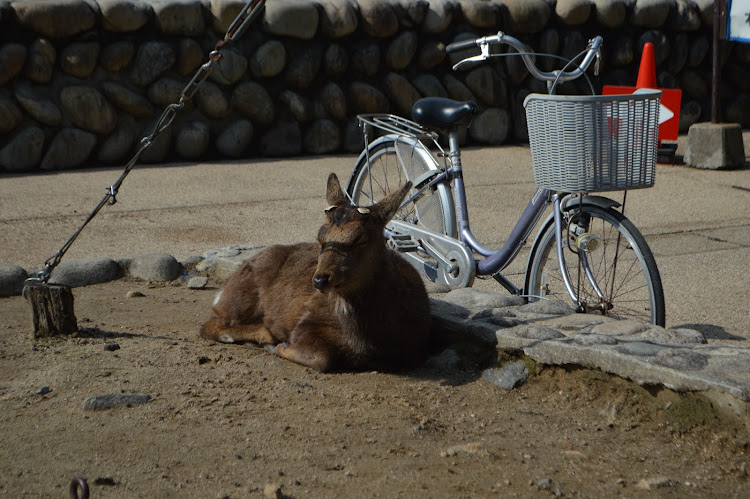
(347, 302)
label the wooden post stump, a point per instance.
(52, 309)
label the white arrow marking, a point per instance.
(665, 114)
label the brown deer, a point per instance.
(345, 303)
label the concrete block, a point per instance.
(715, 146)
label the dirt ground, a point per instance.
(234, 421)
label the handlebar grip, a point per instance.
(456, 46)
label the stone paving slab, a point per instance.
(677, 358)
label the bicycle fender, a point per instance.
(600, 201)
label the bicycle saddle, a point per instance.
(442, 113)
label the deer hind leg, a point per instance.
(217, 330)
(237, 316)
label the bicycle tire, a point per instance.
(623, 266)
(393, 161)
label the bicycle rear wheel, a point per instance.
(623, 281)
(393, 161)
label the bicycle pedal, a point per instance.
(402, 242)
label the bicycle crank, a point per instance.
(440, 258)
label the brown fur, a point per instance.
(371, 310)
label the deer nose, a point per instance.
(320, 281)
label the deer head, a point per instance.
(352, 245)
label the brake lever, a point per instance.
(484, 47)
(597, 61)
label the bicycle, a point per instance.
(586, 252)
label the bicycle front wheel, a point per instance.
(393, 161)
(611, 267)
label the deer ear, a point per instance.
(334, 195)
(388, 206)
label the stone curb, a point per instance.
(546, 332)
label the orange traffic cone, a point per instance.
(647, 71)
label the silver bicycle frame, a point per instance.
(495, 261)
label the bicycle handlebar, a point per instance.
(484, 43)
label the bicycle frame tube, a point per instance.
(494, 260)
(560, 255)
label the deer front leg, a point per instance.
(315, 359)
(309, 344)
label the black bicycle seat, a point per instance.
(442, 113)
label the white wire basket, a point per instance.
(595, 142)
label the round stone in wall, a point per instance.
(481, 14)
(378, 17)
(304, 67)
(253, 101)
(189, 57)
(165, 91)
(118, 145)
(322, 137)
(80, 58)
(116, 56)
(268, 60)
(192, 140)
(439, 16)
(285, 139)
(152, 60)
(401, 92)
(129, 101)
(293, 18)
(179, 17)
(335, 61)
(41, 61)
(68, 149)
(235, 139)
(429, 86)
(58, 19)
(10, 114)
(124, 15)
(401, 50)
(212, 101)
(37, 106)
(334, 101)
(12, 59)
(490, 126)
(364, 98)
(338, 18)
(230, 68)
(24, 151)
(526, 16)
(87, 108)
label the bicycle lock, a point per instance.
(52, 304)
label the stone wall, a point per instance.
(82, 81)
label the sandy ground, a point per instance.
(234, 421)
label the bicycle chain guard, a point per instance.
(450, 261)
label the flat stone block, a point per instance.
(715, 146)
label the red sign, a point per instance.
(669, 116)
